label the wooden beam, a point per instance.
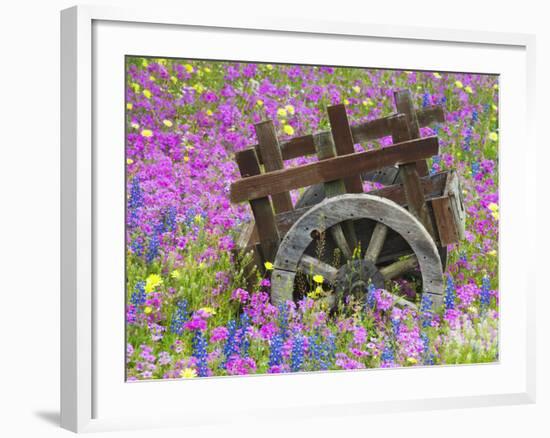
(343, 143)
(264, 217)
(361, 133)
(404, 105)
(273, 160)
(279, 181)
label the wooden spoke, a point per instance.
(313, 266)
(338, 235)
(398, 268)
(376, 242)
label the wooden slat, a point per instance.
(444, 221)
(432, 186)
(273, 160)
(408, 173)
(343, 143)
(346, 241)
(404, 105)
(264, 217)
(279, 181)
(361, 133)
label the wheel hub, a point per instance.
(355, 276)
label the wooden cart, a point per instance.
(336, 230)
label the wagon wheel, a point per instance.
(387, 176)
(356, 274)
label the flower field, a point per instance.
(189, 311)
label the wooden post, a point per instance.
(262, 211)
(347, 241)
(410, 179)
(404, 105)
(273, 160)
(343, 142)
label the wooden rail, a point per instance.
(361, 133)
(280, 181)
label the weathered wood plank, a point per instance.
(408, 174)
(362, 133)
(262, 211)
(273, 160)
(279, 181)
(343, 143)
(449, 212)
(404, 105)
(444, 221)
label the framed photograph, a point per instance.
(261, 208)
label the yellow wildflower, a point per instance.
(346, 102)
(148, 310)
(209, 112)
(495, 86)
(129, 106)
(188, 373)
(458, 84)
(316, 293)
(186, 158)
(281, 112)
(472, 309)
(147, 133)
(175, 274)
(189, 68)
(147, 94)
(152, 78)
(135, 86)
(268, 266)
(144, 62)
(198, 219)
(437, 75)
(260, 102)
(318, 279)
(494, 107)
(411, 360)
(207, 70)
(173, 79)
(493, 253)
(468, 89)
(492, 206)
(356, 88)
(269, 67)
(493, 136)
(289, 109)
(129, 161)
(167, 123)
(289, 130)
(199, 88)
(208, 310)
(152, 282)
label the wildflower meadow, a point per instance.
(190, 311)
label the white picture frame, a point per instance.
(88, 393)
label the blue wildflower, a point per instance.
(153, 250)
(297, 357)
(276, 351)
(485, 295)
(179, 317)
(450, 294)
(138, 295)
(200, 353)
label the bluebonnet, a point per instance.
(426, 309)
(283, 320)
(170, 218)
(425, 100)
(179, 316)
(200, 344)
(476, 169)
(387, 355)
(138, 295)
(485, 296)
(153, 250)
(231, 346)
(297, 357)
(136, 196)
(395, 324)
(276, 351)
(475, 116)
(428, 356)
(371, 299)
(137, 247)
(450, 294)
(245, 341)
